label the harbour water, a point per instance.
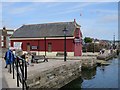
(99, 77)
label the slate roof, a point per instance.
(45, 30)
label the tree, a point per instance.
(87, 40)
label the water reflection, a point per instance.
(88, 74)
(102, 68)
(105, 76)
(74, 84)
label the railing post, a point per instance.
(17, 72)
(13, 70)
(25, 70)
(23, 75)
(10, 68)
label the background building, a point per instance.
(5, 35)
(48, 39)
(95, 45)
(9, 34)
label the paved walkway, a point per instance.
(0, 74)
(49, 65)
(7, 78)
(9, 82)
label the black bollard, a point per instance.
(25, 70)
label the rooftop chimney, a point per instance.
(74, 20)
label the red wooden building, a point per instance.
(48, 39)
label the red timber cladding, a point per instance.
(57, 44)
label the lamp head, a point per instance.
(65, 30)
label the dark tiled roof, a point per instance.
(45, 30)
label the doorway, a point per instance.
(28, 47)
(49, 47)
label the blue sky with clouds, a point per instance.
(97, 19)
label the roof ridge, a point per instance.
(49, 23)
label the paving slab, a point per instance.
(7, 78)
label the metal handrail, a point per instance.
(20, 65)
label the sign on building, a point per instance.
(78, 40)
(34, 47)
(17, 45)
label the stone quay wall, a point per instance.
(55, 77)
(89, 63)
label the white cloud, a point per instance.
(1, 15)
(53, 4)
(109, 19)
(24, 9)
(104, 11)
(100, 32)
(30, 0)
(78, 7)
(19, 9)
(60, 0)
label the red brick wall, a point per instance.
(78, 44)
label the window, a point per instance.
(10, 32)
(49, 47)
(2, 44)
(28, 47)
(2, 38)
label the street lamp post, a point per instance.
(93, 46)
(114, 41)
(45, 45)
(65, 30)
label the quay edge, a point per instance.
(55, 77)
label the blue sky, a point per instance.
(97, 19)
